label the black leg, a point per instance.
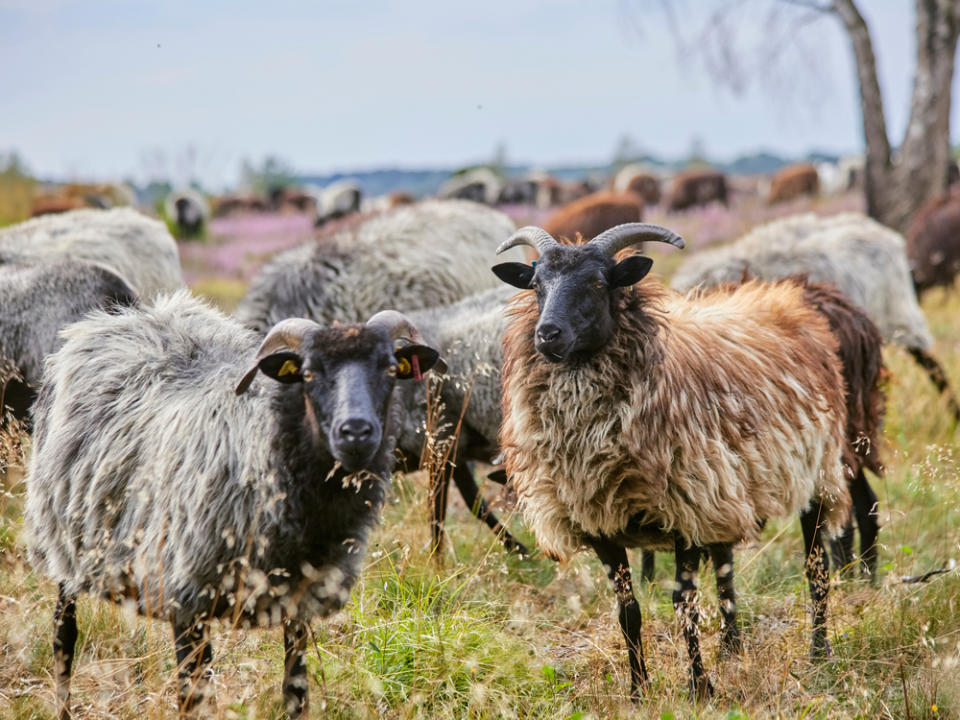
(614, 559)
(721, 554)
(192, 643)
(438, 507)
(688, 610)
(841, 548)
(648, 562)
(467, 485)
(937, 376)
(64, 644)
(817, 566)
(865, 508)
(295, 698)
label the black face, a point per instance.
(348, 375)
(575, 286)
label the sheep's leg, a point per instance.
(937, 376)
(688, 609)
(64, 644)
(722, 556)
(192, 643)
(817, 566)
(648, 560)
(841, 548)
(614, 559)
(438, 508)
(295, 698)
(865, 508)
(467, 485)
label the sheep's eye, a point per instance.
(600, 285)
(307, 375)
(392, 371)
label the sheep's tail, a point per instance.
(938, 377)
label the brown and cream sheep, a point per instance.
(697, 187)
(792, 182)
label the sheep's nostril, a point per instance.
(548, 333)
(356, 430)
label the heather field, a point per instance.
(479, 633)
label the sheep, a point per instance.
(638, 179)
(36, 302)
(188, 210)
(480, 184)
(933, 243)
(635, 416)
(427, 255)
(338, 200)
(414, 257)
(199, 497)
(467, 334)
(592, 214)
(697, 187)
(860, 256)
(793, 181)
(79, 195)
(137, 248)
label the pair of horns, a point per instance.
(609, 241)
(289, 335)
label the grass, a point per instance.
(484, 634)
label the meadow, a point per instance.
(480, 633)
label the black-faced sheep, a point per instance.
(427, 255)
(156, 479)
(861, 257)
(136, 247)
(933, 243)
(480, 184)
(634, 416)
(189, 212)
(337, 200)
(36, 302)
(638, 179)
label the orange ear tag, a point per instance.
(416, 368)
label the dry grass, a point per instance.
(488, 635)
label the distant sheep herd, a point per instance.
(199, 466)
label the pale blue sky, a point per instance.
(105, 88)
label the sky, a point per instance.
(103, 89)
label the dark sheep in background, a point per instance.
(933, 243)
(591, 215)
(792, 182)
(638, 179)
(157, 480)
(692, 188)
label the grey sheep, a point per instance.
(36, 302)
(861, 257)
(136, 247)
(197, 497)
(413, 257)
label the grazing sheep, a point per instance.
(427, 255)
(154, 482)
(635, 416)
(188, 210)
(468, 335)
(481, 185)
(338, 200)
(866, 260)
(36, 302)
(137, 248)
(697, 187)
(591, 215)
(933, 243)
(792, 182)
(638, 179)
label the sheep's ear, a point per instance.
(414, 360)
(630, 271)
(282, 366)
(515, 273)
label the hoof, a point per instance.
(702, 690)
(514, 545)
(731, 646)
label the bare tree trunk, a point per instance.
(898, 185)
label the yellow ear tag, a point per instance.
(289, 367)
(403, 367)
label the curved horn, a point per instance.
(531, 235)
(285, 335)
(397, 326)
(618, 237)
